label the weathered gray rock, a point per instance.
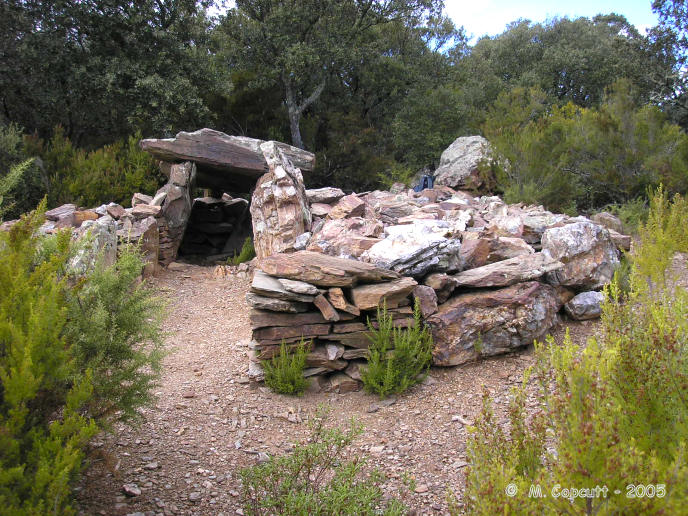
(98, 238)
(608, 220)
(323, 270)
(586, 305)
(355, 368)
(587, 251)
(342, 383)
(416, 249)
(57, 213)
(228, 163)
(275, 305)
(326, 195)
(299, 287)
(279, 206)
(139, 198)
(176, 209)
(320, 210)
(142, 211)
(320, 357)
(508, 272)
(347, 206)
(535, 223)
(268, 286)
(442, 284)
(459, 163)
(492, 322)
(622, 242)
(346, 238)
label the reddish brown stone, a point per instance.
(348, 206)
(326, 308)
(426, 298)
(282, 332)
(391, 293)
(339, 301)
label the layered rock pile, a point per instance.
(490, 277)
(326, 302)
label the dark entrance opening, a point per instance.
(216, 229)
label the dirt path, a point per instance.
(209, 422)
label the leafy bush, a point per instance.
(246, 254)
(89, 178)
(284, 372)
(613, 414)
(42, 426)
(114, 326)
(317, 479)
(571, 158)
(398, 358)
(72, 358)
(22, 184)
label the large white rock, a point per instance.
(459, 162)
(587, 251)
(416, 249)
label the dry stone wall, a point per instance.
(489, 277)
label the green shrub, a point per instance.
(22, 183)
(284, 372)
(75, 353)
(317, 479)
(246, 254)
(571, 158)
(398, 358)
(612, 414)
(114, 325)
(43, 429)
(89, 178)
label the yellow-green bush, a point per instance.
(74, 355)
(317, 478)
(398, 358)
(613, 414)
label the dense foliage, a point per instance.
(74, 356)
(398, 358)
(317, 478)
(612, 414)
(571, 158)
(376, 89)
(284, 371)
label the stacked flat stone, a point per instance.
(491, 277)
(325, 302)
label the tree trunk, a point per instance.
(294, 125)
(295, 110)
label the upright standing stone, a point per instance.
(176, 209)
(279, 206)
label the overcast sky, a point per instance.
(480, 17)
